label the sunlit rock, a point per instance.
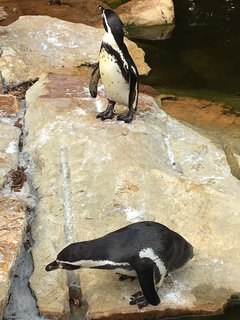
(93, 177)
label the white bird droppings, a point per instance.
(12, 147)
(133, 215)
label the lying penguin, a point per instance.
(146, 250)
(116, 68)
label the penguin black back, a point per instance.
(146, 250)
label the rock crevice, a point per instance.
(13, 207)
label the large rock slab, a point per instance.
(93, 177)
(147, 13)
(35, 44)
(12, 228)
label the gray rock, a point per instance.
(93, 177)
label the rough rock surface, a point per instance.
(9, 138)
(36, 44)
(12, 227)
(93, 177)
(214, 119)
(147, 13)
(8, 104)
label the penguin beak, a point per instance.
(52, 266)
(101, 9)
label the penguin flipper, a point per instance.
(133, 92)
(133, 96)
(93, 83)
(145, 273)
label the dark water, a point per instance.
(202, 56)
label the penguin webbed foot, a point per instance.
(107, 114)
(123, 277)
(139, 300)
(127, 118)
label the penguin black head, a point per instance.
(67, 259)
(60, 265)
(112, 23)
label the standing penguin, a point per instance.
(146, 250)
(116, 68)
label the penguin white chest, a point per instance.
(115, 86)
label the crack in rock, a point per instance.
(75, 295)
